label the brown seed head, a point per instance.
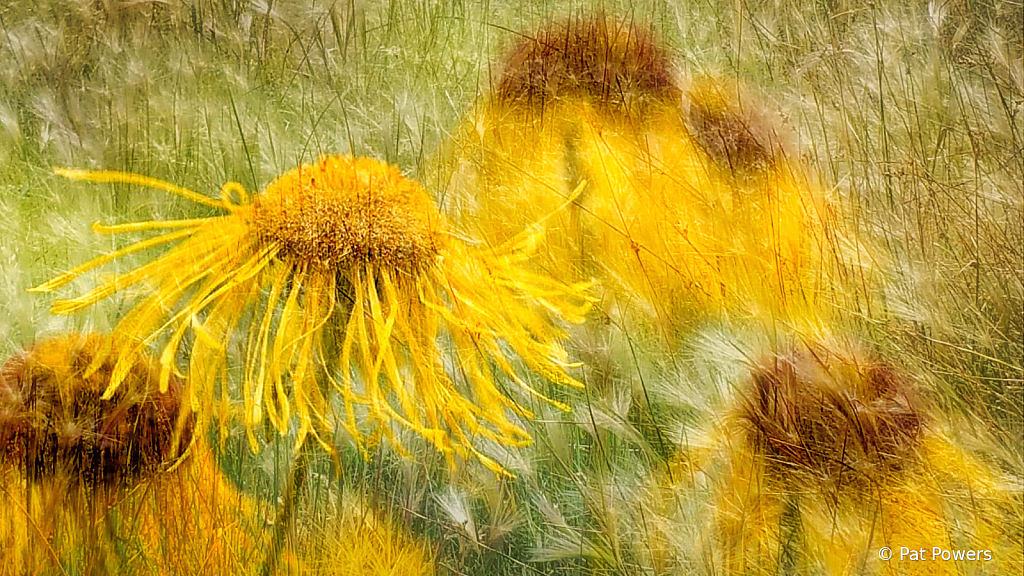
(731, 128)
(53, 422)
(344, 211)
(615, 65)
(839, 421)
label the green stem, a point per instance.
(284, 514)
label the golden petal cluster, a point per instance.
(353, 303)
(828, 455)
(689, 206)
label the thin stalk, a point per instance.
(282, 523)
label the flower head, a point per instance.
(684, 207)
(837, 421)
(617, 66)
(733, 131)
(828, 453)
(187, 520)
(56, 422)
(341, 277)
(343, 213)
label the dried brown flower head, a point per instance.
(730, 126)
(613, 64)
(835, 419)
(54, 422)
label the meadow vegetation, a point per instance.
(902, 122)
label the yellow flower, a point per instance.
(690, 205)
(828, 456)
(82, 476)
(341, 276)
(53, 424)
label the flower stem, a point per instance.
(284, 514)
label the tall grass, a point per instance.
(909, 114)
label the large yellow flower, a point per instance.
(82, 479)
(825, 457)
(689, 205)
(341, 277)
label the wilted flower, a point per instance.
(341, 276)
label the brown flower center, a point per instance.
(343, 211)
(54, 423)
(833, 419)
(612, 64)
